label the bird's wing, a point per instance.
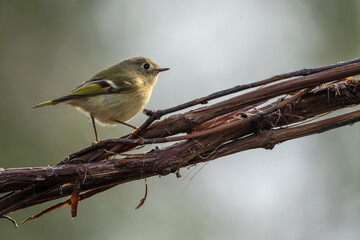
(97, 86)
(103, 86)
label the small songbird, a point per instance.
(116, 94)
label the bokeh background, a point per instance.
(303, 189)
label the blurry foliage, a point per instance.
(338, 24)
(40, 40)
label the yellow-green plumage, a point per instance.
(116, 94)
(44, 104)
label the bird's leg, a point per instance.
(126, 124)
(96, 136)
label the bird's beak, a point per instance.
(162, 69)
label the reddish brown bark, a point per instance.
(250, 120)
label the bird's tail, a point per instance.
(56, 101)
(48, 103)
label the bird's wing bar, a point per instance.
(102, 86)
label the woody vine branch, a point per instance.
(259, 118)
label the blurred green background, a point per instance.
(304, 189)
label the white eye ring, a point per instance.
(146, 66)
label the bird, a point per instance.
(116, 94)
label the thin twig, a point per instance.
(10, 219)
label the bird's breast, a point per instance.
(107, 108)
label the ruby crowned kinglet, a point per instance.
(116, 94)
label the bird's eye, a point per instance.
(146, 66)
